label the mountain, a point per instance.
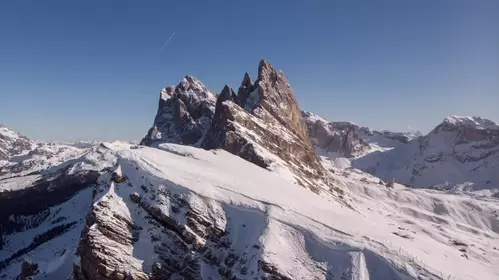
(348, 140)
(261, 124)
(12, 143)
(460, 150)
(237, 186)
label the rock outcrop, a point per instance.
(342, 138)
(184, 114)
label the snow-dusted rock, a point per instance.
(184, 114)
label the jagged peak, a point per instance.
(477, 122)
(226, 94)
(192, 82)
(266, 72)
(247, 81)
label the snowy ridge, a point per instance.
(477, 122)
(218, 198)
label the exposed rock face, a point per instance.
(12, 143)
(265, 119)
(184, 114)
(274, 94)
(341, 138)
(459, 150)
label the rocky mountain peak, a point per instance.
(247, 87)
(247, 81)
(274, 93)
(261, 124)
(184, 113)
(267, 73)
(226, 94)
(190, 84)
(264, 119)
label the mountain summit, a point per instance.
(184, 114)
(261, 124)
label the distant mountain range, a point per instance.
(459, 151)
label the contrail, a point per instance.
(171, 36)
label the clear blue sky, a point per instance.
(93, 70)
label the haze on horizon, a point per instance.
(94, 69)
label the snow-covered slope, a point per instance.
(42, 215)
(461, 150)
(180, 212)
